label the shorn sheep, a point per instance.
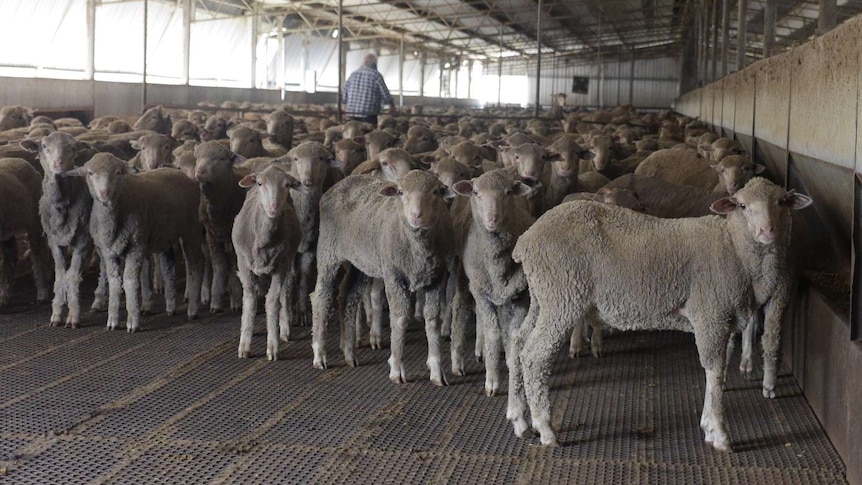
(135, 215)
(265, 236)
(408, 247)
(707, 275)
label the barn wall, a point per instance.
(800, 113)
(109, 98)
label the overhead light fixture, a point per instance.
(465, 62)
(447, 66)
(415, 53)
(335, 33)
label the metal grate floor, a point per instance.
(173, 404)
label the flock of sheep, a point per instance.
(546, 230)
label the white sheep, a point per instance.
(265, 236)
(135, 215)
(585, 261)
(408, 248)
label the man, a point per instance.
(364, 91)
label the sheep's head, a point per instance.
(352, 129)
(56, 152)
(735, 171)
(156, 150)
(185, 130)
(620, 198)
(106, 177)
(14, 117)
(421, 196)
(449, 171)
(154, 119)
(377, 141)
(466, 152)
(646, 145)
(197, 117)
(246, 142)
(530, 160)
(214, 129)
(570, 154)
(273, 186)
(279, 126)
(721, 148)
(601, 147)
(214, 162)
(309, 162)
(350, 152)
(492, 197)
(764, 207)
(420, 140)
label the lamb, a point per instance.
(350, 153)
(266, 235)
(408, 249)
(466, 152)
(279, 127)
(665, 199)
(686, 167)
(154, 151)
(487, 229)
(633, 271)
(137, 215)
(64, 209)
(391, 164)
(248, 143)
(377, 141)
(14, 117)
(720, 148)
(420, 140)
(221, 200)
(529, 161)
(214, 129)
(154, 119)
(20, 191)
(449, 171)
(185, 130)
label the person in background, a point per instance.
(363, 92)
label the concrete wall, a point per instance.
(109, 98)
(800, 113)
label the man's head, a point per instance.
(370, 60)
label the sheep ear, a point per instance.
(716, 166)
(464, 187)
(520, 188)
(360, 139)
(237, 159)
(795, 201)
(758, 168)
(550, 156)
(725, 205)
(587, 155)
(389, 190)
(75, 172)
(29, 145)
(334, 162)
(248, 181)
(447, 193)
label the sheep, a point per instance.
(154, 151)
(185, 130)
(449, 171)
(154, 119)
(215, 128)
(14, 117)
(611, 196)
(64, 209)
(116, 127)
(408, 249)
(391, 164)
(352, 129)
(266, 235)
(377, 141)
(487, 228)
(465, 152)
(350, 153)
(20, 190)
(665, 199)
(686, 167)
(310, 163)
(529, 162)
(197, 117)
(248, 143)
(279, 127)
(137, 215)
(720, 148)
(420, 140)
(634, 271)
(221, 200)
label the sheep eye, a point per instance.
(385, 164)
(89, 173)
(400, 192)
(475, 193)
(742, 206)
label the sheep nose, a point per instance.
(103, 194)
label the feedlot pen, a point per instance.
(174, 404)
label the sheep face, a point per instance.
(735, 171)
(421, 196)
(185, 130)
(214, 129)
(106, 176)
(197, 117)
(246, 142)
(14, 117)
(530, 160)
(620, 198)
(377, 141)
(420, 140)
(449, 171)
(764, 207)
(213, 162)
(352, 129)
(466, 153)
(492, 197)
(57, 151)
(350, 152)
(273, 188)
(601, 146)
(309, 162)
(395, 163)
(156, 150)
(279, 125)
(154, 119)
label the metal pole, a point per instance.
(725, 37)
(401, 74)
(600, 101)
(303, 62)
(769, 28)
(456, 70)
(714, 26)
(538, 58)
(619, 80)
(340, 58)
(470, 79)
(279, 76)
(500, 70)
(422, 75)
(742, 21)
(827, 16)
(254, 21)
(632, 78)
(91, 39)
(144, 70)
(440, 93)
(187, 39)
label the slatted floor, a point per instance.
(173, 404)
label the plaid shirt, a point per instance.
(363, 92)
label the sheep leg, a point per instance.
(60, 285)
(480, 340)
(355, 283)
(451, 285)
(432, 301)
(375, 336)
(576, 344)
(364, 317)
(72, 286)
(194, 274)
(146, 286)
(9, 249)
(157, 276)
(235, 287)
(219, 278)
(537, 354)
(206, 282)
(131, 285)
(168, 264)
(306, 277)
(771, 339)
(273, 298)
(285, 309)
(596, 339)
(418, 304)
(101, 293)
(38, 252)
(746, 365)
(399, 306)
(486, 313)
(115, 289)
(249, 309)
(710, 336)
(517, 405)
(321, 304)
(461, 310)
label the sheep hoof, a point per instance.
(71, 324)
(131, 329)
(284, 338)
(244, 354)
(98, 306)
(490, 392)
(520, 425)
(215, 309)
(374, 341)
(271, 356)
(458, 370)
(597, 353)
(440, 381)
(550, 442)
(319, 365)
(396, 374)
(746, 368)
(55, 323)
(351, 361)
(170, 313)
(235, 308)
(769, 393)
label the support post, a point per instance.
(538, 58)
(769, 28)
(470, 79)
(187, 38)
(401, 74)
(600, 103)
(714, 26)
(340, 58)
(828, 16)
(91, 39)
(422, 75)
(632, 78)
(279, 75)
(144, 67)
(725, 37)
(254, 29)
(742, 21)
(500, 71)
